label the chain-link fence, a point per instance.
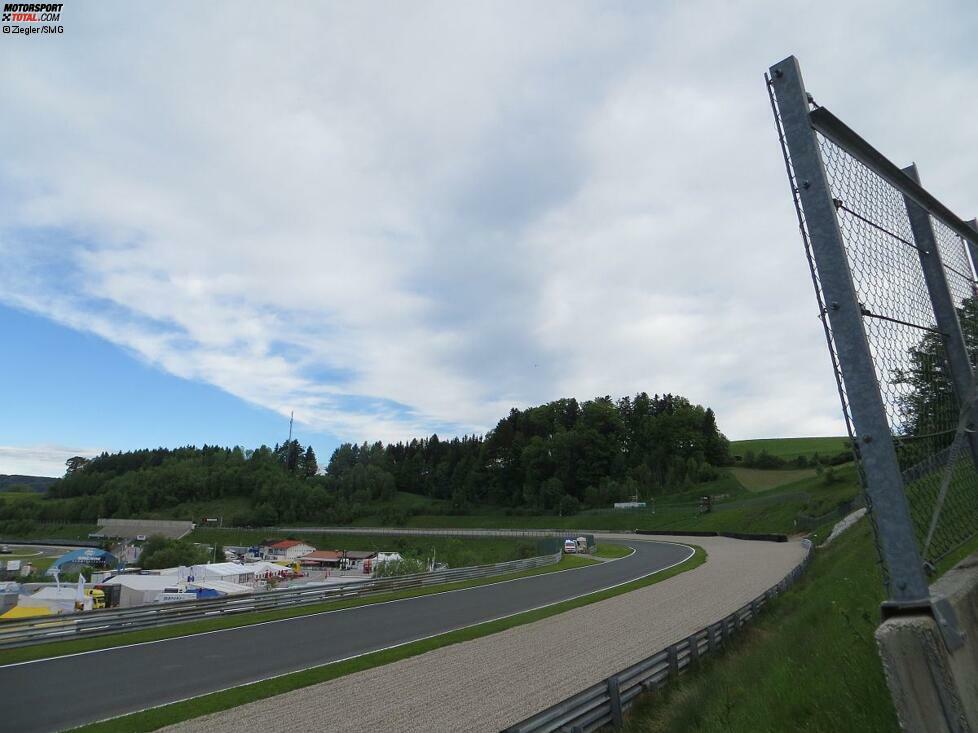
(896, 289)
(909, 349)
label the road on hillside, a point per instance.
(54, 694)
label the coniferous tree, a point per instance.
(309, 464)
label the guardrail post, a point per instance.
(673, 653)
(711, 634)
(694, 649)
(755, 608)
(614, 697)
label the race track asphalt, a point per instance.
(59, 693)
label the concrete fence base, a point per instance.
(935, 688)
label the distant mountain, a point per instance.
(38, 484)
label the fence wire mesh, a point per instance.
(928, 423)
(822, 313)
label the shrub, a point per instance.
(569, 505)
(393, 568)
(159, 552)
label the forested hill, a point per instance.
(556, 457)
(14, 482)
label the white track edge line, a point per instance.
(692, 552)
(323, 613)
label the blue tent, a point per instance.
(72, 561)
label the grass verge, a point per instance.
(60, 648)
(956, 556)
(758, 480)
(808, 664)
(610, 551)
(155, 718)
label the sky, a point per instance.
(396, 219)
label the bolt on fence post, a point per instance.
(944, 310)
(614, 697)
(884, 482)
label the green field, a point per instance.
(18, 530)
(774, 510)
(763, 479)
(18, 496)
(788, 448)
(747, 500)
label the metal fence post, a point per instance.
(711, 635)
(972, 250)
(614, 697)
(694, 649)
(884, 482)
(944, 310)
(673, 656)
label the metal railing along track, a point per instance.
(605, 702)
(15, 633)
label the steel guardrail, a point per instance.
(605, 702)
(85, 624)
(439, 531)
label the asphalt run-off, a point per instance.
(63, 692)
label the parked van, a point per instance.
(570, 546)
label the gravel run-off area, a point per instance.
(490, 683)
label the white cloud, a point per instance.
(39, 460)
(454, 209)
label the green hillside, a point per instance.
(558, 458)
(790, 448)
(760, 479)
(15, 483)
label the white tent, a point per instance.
(264, 570)
(230, 572)
(222, 586)
(57, 600)
(140, 590)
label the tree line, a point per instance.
(559, 456)
(556, 457)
